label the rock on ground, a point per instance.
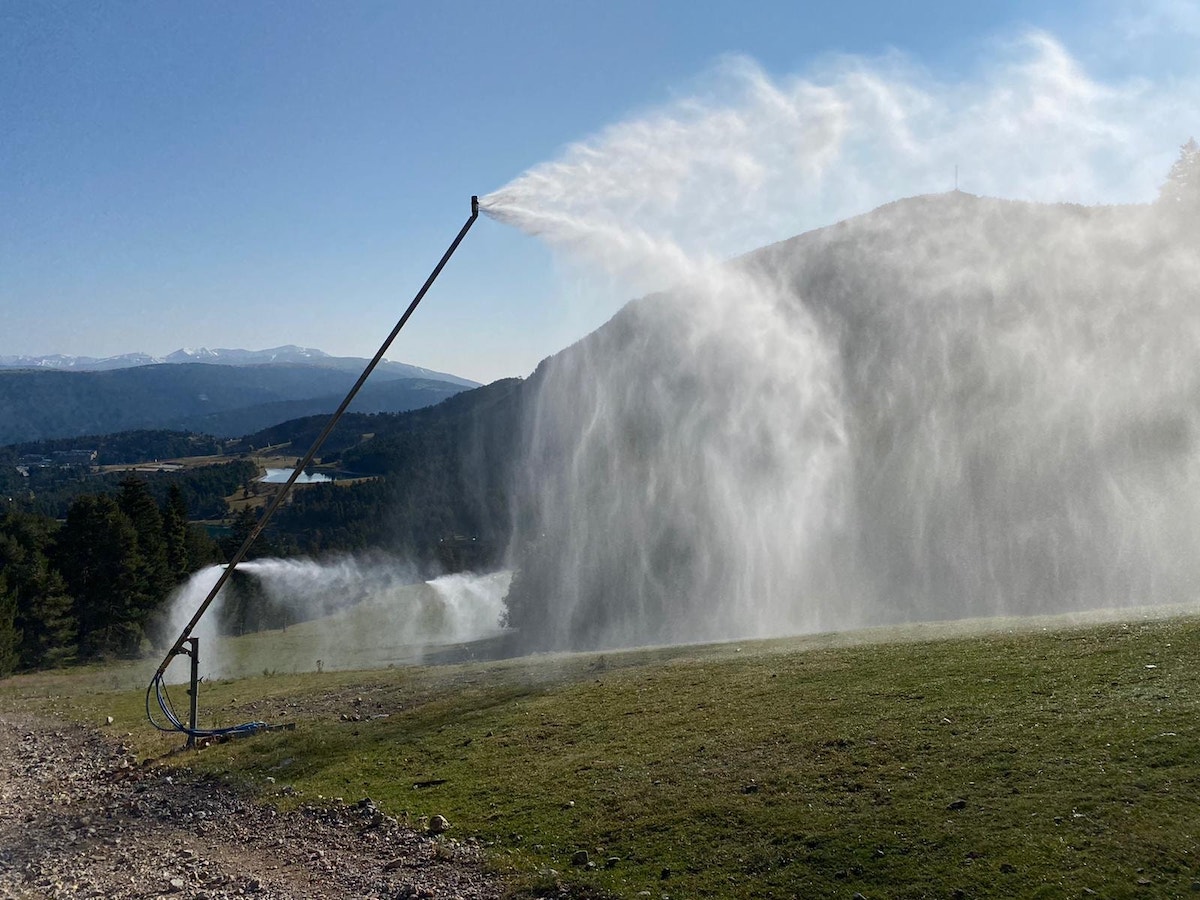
(78, 818)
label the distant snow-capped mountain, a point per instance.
(78, 363)
(287, 354)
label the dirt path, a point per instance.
(80, 818)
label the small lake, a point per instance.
(279, 476)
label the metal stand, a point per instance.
(193, 689)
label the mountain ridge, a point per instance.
(38, 404)
(285, 354)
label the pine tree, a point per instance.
(136, 501)
(202, 550)
(10, 635)
(49, 627)
(98, 555)
(241, 527)
(1181, 190)
(175, 534)
(43, 616)
(189, 546)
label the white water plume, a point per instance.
(181, 606)
(748, 158)
(291, 615)
(949, 407)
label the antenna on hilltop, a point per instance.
(956, 179)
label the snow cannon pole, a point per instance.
(177, 648)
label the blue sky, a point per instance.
(253, 174)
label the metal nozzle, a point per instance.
(474, 205)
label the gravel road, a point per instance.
(79, 817)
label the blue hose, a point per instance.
(159, 689)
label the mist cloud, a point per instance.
(745, 158)
(952, 406)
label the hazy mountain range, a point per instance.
(288, 353)
(219, 392)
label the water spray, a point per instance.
(187, 645)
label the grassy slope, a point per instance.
(769, 770)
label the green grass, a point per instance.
(811, 768)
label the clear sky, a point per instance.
(248, 174)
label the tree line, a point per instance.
(94, 585)
(51, 491)
(87, 561)
(1181, 190)
(123, 447)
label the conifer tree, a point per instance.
(44, 608)
(10, 636)
(175, 534)
(1181, 190)
(202, 550)
(137, 503)
(105, 574)
(243, 524)
(47, 620)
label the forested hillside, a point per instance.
(215, 399)
(93, 584)
(445, 471)
(648, 483)
(126, 447)
(50, 491)
(91, 587)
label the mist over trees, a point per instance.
(1181, 190)
(93, 584)
(444, 471)
(90, 587)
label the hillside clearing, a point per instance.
(1036, 763)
